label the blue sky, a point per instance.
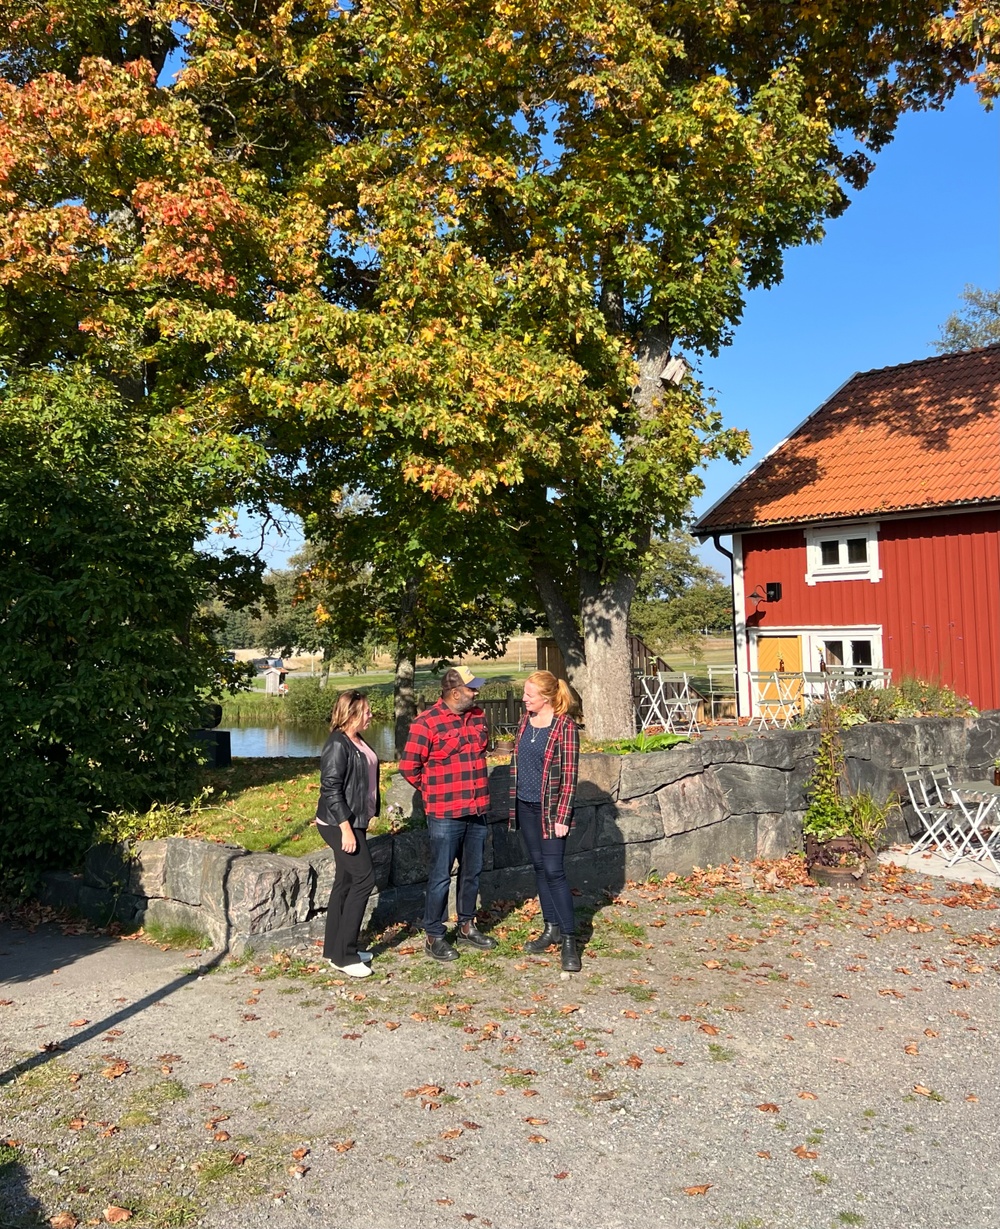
(875, 292)
(878, 288)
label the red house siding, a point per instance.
(938, 601)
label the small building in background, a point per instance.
(871, 535)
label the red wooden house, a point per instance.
(871, 535)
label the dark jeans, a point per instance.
(548, 858)
(464, 839)
(352, 885)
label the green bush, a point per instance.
(306, 701)
(106, 663)
(911, 698)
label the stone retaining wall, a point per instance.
(695, 805)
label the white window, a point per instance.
(842, 552)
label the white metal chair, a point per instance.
(776, 698)
(665, 699)
(932, 807)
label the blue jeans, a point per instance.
(548, 858)
(464, 839)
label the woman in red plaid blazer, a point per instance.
(543, 772)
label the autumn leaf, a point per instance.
(391, 1025)
(702, 1189)
(472, 1126)
(708, 1028)
(441, 1156)
(238, 1159)
(559, 1177)
(220, 1137)
(911, 1048)
(567, 1009)
(764, 1154)
(711, 964)
(300, 1154)
(768, 1107)
(454, 1133)
(115, 1215)
(922, 1090)
(115, 1070)
(63, 1220)
(342, 1145)
(804, 1153)
(807, 1096)
(537, 1122)
(537, 1139)
(78, 1023)
(633, 1061)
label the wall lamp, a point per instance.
(770, 593)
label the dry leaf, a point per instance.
(237, 1158)
(300, 1154)
(708, 1028)
(537, 1122)
(444, 1157)
(633, 1061)
(564, 1174)
(537, 1139)
(921, 1090)
(768, 1107)
(530, 1092)
(454, 1133)
(220, 1137)
(567, 1009)
(711, 964)
(971, 1097)
(911, 1048)
(115, 1215)
(472, 1126)
(78, 1023)
(808, 1096)
(63, 1220)
(115, 1070)
(391, 1024)
(698, 1190)
(343, 1145)
(445, 1202)
(931, 1032)
(804, 1153)
(764, 1154)
(77, 1124)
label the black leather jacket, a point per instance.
(343, 783)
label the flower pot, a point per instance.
(841, 862)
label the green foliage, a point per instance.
(642, 743)
(827, 815)
(910, 698)
(105, 663)
(308, 701)
(181, 937)
(977, 324)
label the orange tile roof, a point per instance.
(922, 435)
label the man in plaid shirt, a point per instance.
(445, 758)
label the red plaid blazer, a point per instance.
(559, 772)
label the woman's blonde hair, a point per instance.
(348, 709)
(552, 689)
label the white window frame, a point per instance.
(817, 571)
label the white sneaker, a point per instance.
(353, 970)
(365, 957)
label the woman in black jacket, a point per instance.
(348, 799)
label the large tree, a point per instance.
(976, 324)
(445, 244)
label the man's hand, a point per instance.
(562, 829)
(348, 841)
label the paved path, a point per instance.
(732, 1057)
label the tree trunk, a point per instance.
(404, 698)
(609, 710)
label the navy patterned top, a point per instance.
(530, 755)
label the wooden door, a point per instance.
(779, 653)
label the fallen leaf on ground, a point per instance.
(220, 1137)
(911, 1048)
(708, 1028)
(454, 1133)
(537, 1139)
(567, 1009)
(633, 1061)
(115, 1070)
(78, 1023)
(921, 1090)
(764, 1154)
(63, 1220)
(768, 1107)
(808, 1096)
(702, 1189)
(342, 1145)
(300, 1153)
(804, 1153)
(115, 1215)
(537, 1122)
(564, 1174)
(472, 1126)
(237, 1158)
(391, 1024)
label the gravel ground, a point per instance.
(733, 1055)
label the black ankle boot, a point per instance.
(570, 956)
(551, 934)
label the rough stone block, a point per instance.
(645, 773)
(598, 778)
(294, 935)
(599, 871)
(692, 802)
(778, 832)
(734, 750)
(983, 745)
(752, 788)
(783, 749)
(410, 857)
(380, 848)
(516, 883)
(500, 790)
(941, 741)
(402, 904)
(217, 862)
(185, 868)
(170, 913)
(710, 846)
(265, 893)
(887, 743)
(318, 870)
(507, 849)
(583, 833)
(149, 868)
(60, 889)
(629, 822)
(107, 866)
(402, 798)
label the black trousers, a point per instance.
(547, 857)
(352, 885)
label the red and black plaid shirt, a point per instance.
(445, 758)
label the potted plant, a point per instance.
(840, 828)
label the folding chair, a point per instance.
(929, 806)
(679, 707)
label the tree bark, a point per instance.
(609, 709)
(404, 697)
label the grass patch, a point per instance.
(177, 936)
(719, 1054)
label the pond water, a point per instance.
(254, 741)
